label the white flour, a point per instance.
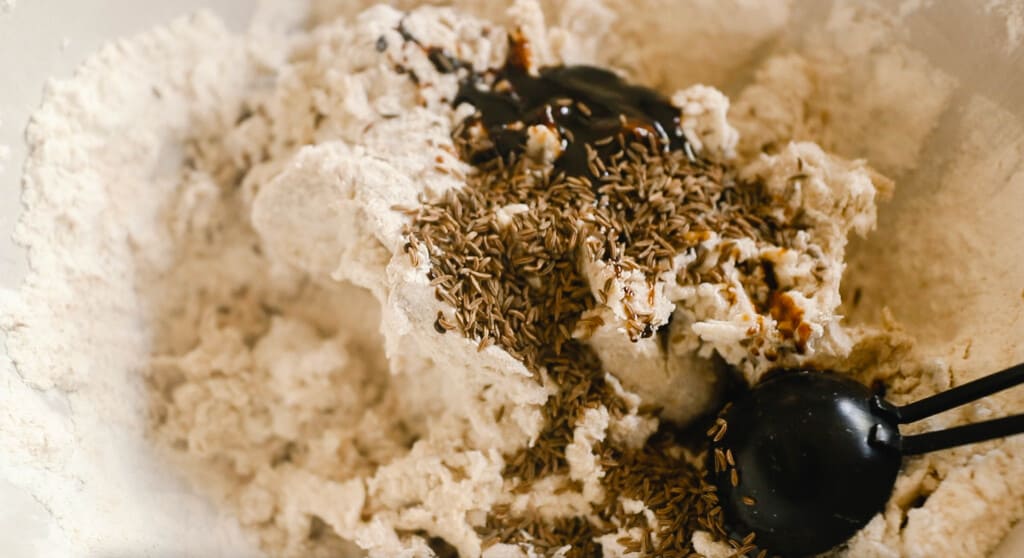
(5, 150)
(141, 243)
(98, 173)
(1013, 14)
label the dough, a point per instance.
(277, 288)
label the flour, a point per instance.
(5, 150)
(211, 231)
(94, 182)
(1013, 15)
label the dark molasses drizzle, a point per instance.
(586, 105)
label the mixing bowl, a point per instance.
(111, 496)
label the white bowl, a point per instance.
(45, 38)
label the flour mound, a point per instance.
(219, 271)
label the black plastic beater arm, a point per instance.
(971, 391)
(962, 435)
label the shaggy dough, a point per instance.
(289, 342)
(333, 209)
